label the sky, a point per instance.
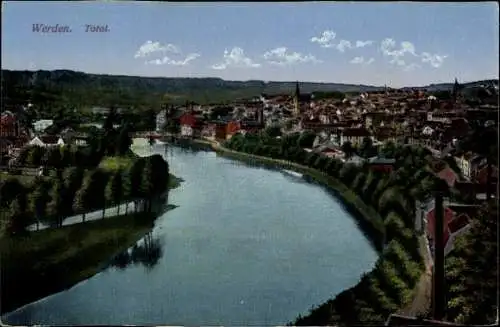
(394, 44)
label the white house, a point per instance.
(161, 120)
(47, 141)
(186, 130)
(41, 125)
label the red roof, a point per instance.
(482, 175)
(233, 127)
(448, 175)
(188, 119)
(447, 218)
(458, 223)
(7, 119)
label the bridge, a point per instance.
(149, 134)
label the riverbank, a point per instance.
(26, 278)
(367, 218)
(70, 254)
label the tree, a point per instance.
(124, 140)
(114, 190)
(38, 203)
(147, 184)
(471, 279)
(306, 140)
(9, 190)
(348, 149)
(160, 168)
(56, 207)
(135, 177)
(17, 219)
(366, 149)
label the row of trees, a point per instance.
(77, 191)
(388, 286)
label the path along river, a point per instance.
(246, 246)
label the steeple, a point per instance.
(297, 90)
(296, 99)
(456, 90)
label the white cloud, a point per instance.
(361, 60)
(282, 56)
(411, 67)
(362, 44)
(150, 47)
(325, 40)
(343, 44)
(169, 61)
(433, 59)
(388, 48)
(235, 58)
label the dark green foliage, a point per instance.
(114, 189)
(57, 206)
(471, 275)
(17, 219)
(9, 190)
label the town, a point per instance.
(249, 164)
(363, 130)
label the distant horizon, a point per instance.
(249, 80)
(394, 44)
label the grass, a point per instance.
(116, 162)
(70, 254)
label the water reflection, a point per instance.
(147, 254)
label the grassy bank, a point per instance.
(70, 254)
(367, 218)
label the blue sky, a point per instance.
(364, 43)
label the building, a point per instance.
(47, 141)
(354, 135)
(385, 165)
(299, 99)
(161, 120)
(9, 125)
(40, 125)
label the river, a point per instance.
(245, 246)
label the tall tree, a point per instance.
(38, 203)
(114, 190)
(17, 219)
(56, 206)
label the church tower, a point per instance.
(456, 91)
(296, 99)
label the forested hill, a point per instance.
(82, 89)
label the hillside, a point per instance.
(66, 87)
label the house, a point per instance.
(188, 124)
(161, 120)
(482, 175)
(469, 164)
(385, 165)
(232, 128)
(42, 124)
(354, 135)
(47, 141)
(9, 125)
(454, 225)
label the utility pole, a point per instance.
(439, 299)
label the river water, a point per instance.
(245, 246)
